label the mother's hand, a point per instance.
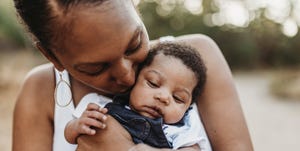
(113, 137)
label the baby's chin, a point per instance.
(171, 121)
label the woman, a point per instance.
(100, 43)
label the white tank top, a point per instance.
(62, 115)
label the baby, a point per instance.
(157, 110)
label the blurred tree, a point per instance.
(258, 41)
(11, 31)
(251, 33)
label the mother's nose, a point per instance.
(124, 72)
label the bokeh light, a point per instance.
(194, 6)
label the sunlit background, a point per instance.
(259, 38)
(236, 13)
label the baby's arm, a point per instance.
(93, 116)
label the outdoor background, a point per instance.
(259, 38)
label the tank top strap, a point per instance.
(65, 76)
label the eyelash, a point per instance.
(152, 84)
(98, 72)
(134, 50)
(178, 99)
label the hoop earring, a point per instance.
(62, 92)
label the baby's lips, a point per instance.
(154, 112)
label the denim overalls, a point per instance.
(142, 129)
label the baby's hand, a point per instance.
(93, 116)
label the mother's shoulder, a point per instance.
(194, 38)
(36, 95)
(211, 54)
(40, 79)
(199, 41)
(44, 72)
(203, 43)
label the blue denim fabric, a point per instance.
(141, 129)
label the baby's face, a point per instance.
(163, 89)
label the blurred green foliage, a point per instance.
(259, 45)
(11, 31)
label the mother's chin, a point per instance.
(110, 90)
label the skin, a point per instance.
(109, 42)
(165, 93)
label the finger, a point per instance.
(92, 106)
(87, 130)
(92, 122)
(95, 114)
(103, 110)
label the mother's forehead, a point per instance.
(87, 25)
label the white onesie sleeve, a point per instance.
(90, 98)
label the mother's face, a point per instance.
(104, 46)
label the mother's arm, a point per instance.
(219, 104)
(115, 137)
(33, 114)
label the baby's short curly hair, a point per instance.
(189, 57)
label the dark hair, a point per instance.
(189, 57)
(46, 19)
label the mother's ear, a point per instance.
(50, 56)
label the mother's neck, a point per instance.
(80, 89)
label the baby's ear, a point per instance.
(50, 56)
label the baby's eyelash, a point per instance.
(179, 99)
(152, 84)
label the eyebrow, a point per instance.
(156, 72)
